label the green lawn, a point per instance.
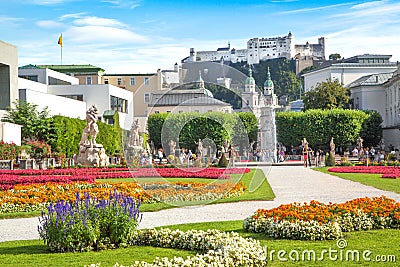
(374, 180)
(254, 177)
(379, 242)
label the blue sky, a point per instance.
(142, 36)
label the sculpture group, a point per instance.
(91, 153)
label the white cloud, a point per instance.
(102, 35)
(6, 20)
(123, 4)
(48, 2)
(305, 10)
(72, 16)
(372, 12)
(283, 1)
(96, 21)
(368, 4)
(49, 24)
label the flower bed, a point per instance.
(90, 224)
(36, 197)
(386, 171)
(318, 221)
(8, 179)
(215, 248)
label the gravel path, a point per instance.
(289, 183)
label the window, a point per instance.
(146, 80)
(146, 98)
(75, 97)
(119, 81)
(119, 104)
(168, 111)
(105, 80)
(132, 81)
(88, 80)
(30, 77)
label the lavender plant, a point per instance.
(89, 223)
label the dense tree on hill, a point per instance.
(334, 56)
(226, 95)
(327, 95)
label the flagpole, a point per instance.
(60, 42)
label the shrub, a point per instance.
(329, 160)
(39, 149)
(8, 151)
(89, 224)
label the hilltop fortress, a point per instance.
(260, 49)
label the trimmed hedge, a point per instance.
(189, 127)
(318, 126)
(68, 132)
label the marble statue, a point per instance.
(134, 138)
(91, 153)
(172, 145)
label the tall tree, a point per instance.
(372, 129)
(36, 125)
(327, 95)
(334, 56)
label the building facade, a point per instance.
(64, 95)
(349, 70)
(8, 76)
(260, 49)
(193, 97)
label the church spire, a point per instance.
(200, 81)
(268, 84)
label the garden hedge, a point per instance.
(68, 133)
(188, 127)
(319, 126)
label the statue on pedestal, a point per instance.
(172, 145)
(199, 149)
(135, 151)
(91, 153)
(332, 146)
(134, 138)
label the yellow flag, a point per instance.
(60, 41)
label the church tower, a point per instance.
(250, 97)
(267, 139)
(269, 95)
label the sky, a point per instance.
(140, 36)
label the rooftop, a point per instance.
(131, 74)
(186, 100)
(76, 69)
(373, 79)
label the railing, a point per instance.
(6, 164)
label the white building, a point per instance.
(9, 132)
(193, 97)
(45, 76)
(391, 133)
(63, 95)
(106, 97)
(349, 70)
(368, 93)
(260, 49)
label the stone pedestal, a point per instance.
(92, 156)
